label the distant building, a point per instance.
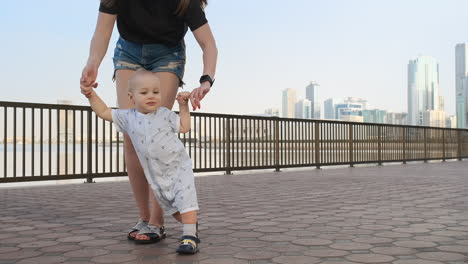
(397, 118)
(303, 109)
(423, 89)
(375, 116)
(451, 121)
(272, 112)
(351, 106)
(312, 94)
(329, 108)
(288, 103)
(434, 118)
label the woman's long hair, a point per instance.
(183, 5)
(180, 10)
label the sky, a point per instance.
(350, 47)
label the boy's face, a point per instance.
(145, 94)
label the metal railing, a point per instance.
(53, 142)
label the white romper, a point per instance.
(167, 166)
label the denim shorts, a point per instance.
(151, 57)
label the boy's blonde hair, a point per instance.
(140, 74)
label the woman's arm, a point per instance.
(207, 43)
(98, 49)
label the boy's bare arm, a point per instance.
(99, 107)
(184, 112)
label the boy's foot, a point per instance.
(188, 245)
(135, 229)
(150, 234)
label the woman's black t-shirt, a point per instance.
(155, 21)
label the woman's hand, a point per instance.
(198, 94)
(89, 75)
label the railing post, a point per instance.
(380, 144)
(89, 154)
(351, 158)
(228, 147)
(317, 144)
(277, 162)
(459, 144)
(405, 132)
(443, 144)
(425, 145)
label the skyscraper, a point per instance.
(288, 102)
(423, 88)
(461, 83)
(312, 96)
(303, 109)
(329, 108)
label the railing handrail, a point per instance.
(208, 114)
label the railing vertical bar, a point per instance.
(210, 138)
(351, 157)
(237, 142)
(33, 140)
(82, 141)
(443, 144)
(195, 135)
(41, 171)
(14, 142)
(66, 141)
(50, 142)
(24, 142)
(5, 140)
(96, 144)
(111, 143)
(58, 141)
(317, 143)
(103, 145)
(205, 145)
(74, 141)
(425, 144)
(89, 146)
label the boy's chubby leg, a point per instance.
(189, 241)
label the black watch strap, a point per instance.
(206, 78)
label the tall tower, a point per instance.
(289, 102)
(461, 83)
(423, 88)
(312, 96)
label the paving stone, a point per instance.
(326, 253)
(369, 258)
(296, 260)
(254, 255)
(415, 244)
(43, 260)
(441, 256)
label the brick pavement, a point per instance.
(399, 214)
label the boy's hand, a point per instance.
(182, 98)
(88, 90)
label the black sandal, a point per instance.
(152, 233)
(188, 245)
(138, 226)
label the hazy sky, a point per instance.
(350, 47)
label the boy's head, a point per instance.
(143, 89)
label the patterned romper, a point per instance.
(165, 161)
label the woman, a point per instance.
(151, 37)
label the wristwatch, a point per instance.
(207, 78)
